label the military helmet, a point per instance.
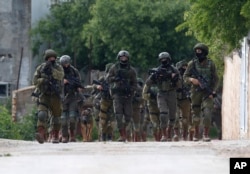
(49, 53)
(164, 55)
(203, 47)
(65, 59)
(107, 67)
(181, 63)
(123, 53)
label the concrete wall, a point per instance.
(15, 22)
(235, 99)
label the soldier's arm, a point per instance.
(188, 78)
(37, 79)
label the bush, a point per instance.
(8, 128)
(24, 129)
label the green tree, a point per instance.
(61, 30)
(144, 28)
(219, 24)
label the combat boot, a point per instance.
(136, 137)
(164, 135)
(196, 133)
(191, 134)
(64, 139)
(122, 135)
(72, 136)
(104, 137)
(205, 135)
(169, 133)
(144, 136)
(156, 136)
(184, 134)
(176, 134)
(40, 135)
(55, 136)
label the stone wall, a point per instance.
(15, 22)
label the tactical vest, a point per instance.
(165, 84)
(121, 87)
(47, 88)
(204, 70)
(72, 72)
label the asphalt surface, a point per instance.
(25, 157)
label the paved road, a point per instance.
(21, 157)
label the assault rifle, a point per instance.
(163, 74)
(74, 82)
(104, 84)
(160, 73)
(204, 85)
(53, 84)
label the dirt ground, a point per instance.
(23, 157)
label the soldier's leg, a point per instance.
(72, 118)
(118, 110)
(196, 99)
(128, 112)
(177, 124)
(185, 107)
(64, 126)
(207, 108)
(105, 106)
(164, 112)
(42, 119)
(41, 126)
(136, 123)
(172, 104)
(56, 111)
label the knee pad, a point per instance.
(42, 116)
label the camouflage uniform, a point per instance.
(123, 83)
(70, 108)
(48, 80)
(137, 103)
(106, 114)
(201, 97)
(151, 97)
(166, 78)
(183, 116)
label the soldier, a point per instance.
(137, 103)
(48, 80)
(154, 114)
(123, 83)
(72, 87)
(106, 116)
(166, 78)
(202, 75)
(183, 105)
